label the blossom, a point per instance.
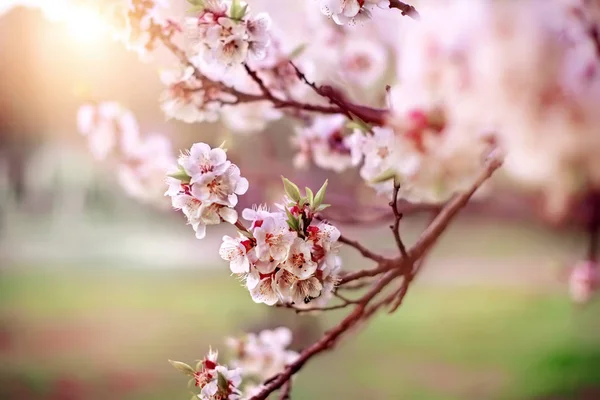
(264, 354)
(204, 163)
(299, 260)
(264, 290)
(142, 170)
(326, 141)
(205, 186)
(106, 125)
(350, 11)
(363, 61)
(256, 215)
(584, 281)
(221, 189)
(228, 37)
(273, 238)
(185, 98)
(235, 250)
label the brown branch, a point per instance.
(362, 249)
(364, 273)
(286, 390)
(367, 114)
(395, 227)
(328, 340)
(441, 222)
(405, 9)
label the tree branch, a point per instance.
(286, 391)
(395, 227)
(405, 9)
(328, 340)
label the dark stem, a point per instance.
(405, 9)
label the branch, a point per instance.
(328, 340)
(367, 114)
(397, 217)
(286, 390)
(405, 9)
(362, 249)
(355, 244)
(441, 222)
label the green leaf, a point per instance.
(238, 10)
(191, 384)
(222, 382)
(292, 221)
(320, 196)
(310, 196)
(291, 189)
(385, 176)
(196, 3)
(322, 207)
(183, 367)
(181, 175)
(247, 234)
(358, 123)
(222, 146)
(297, 51)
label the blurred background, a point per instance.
(97, 291)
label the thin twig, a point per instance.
(405, 9)
(328, 339)
(395, 227)
(431, 234)
(286, 390)
(362, 249)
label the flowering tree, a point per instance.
(427, 113)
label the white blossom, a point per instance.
(235, 250)
(142, 170)
(264, 354)
(273, 238)
(205, 187)
(350, 11)
(225, 39)
(185, 99)
(325, 141)
(584, 281)
(108, 125)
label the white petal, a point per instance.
(242, 186)
(228, 215)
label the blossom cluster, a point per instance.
(284, 256)
(264, 354)
(328, 142)
(350, 11)
(142, 161)
(215, 381)
(256, 357)
(584, 281)
(225, 34)
(205, 187)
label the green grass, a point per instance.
(444, 343)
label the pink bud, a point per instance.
(584, 281)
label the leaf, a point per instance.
(181, 175)
(322, 207)
(222, 146)
(320, 196)
(183, 367)
(359, 124)
(297, 51)
(238, 10)
(247, 234)
(291, 189)
(385, 176)
(292, 221)
(191, 384)
(196, 3)
(310, 196)
(222, 382)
